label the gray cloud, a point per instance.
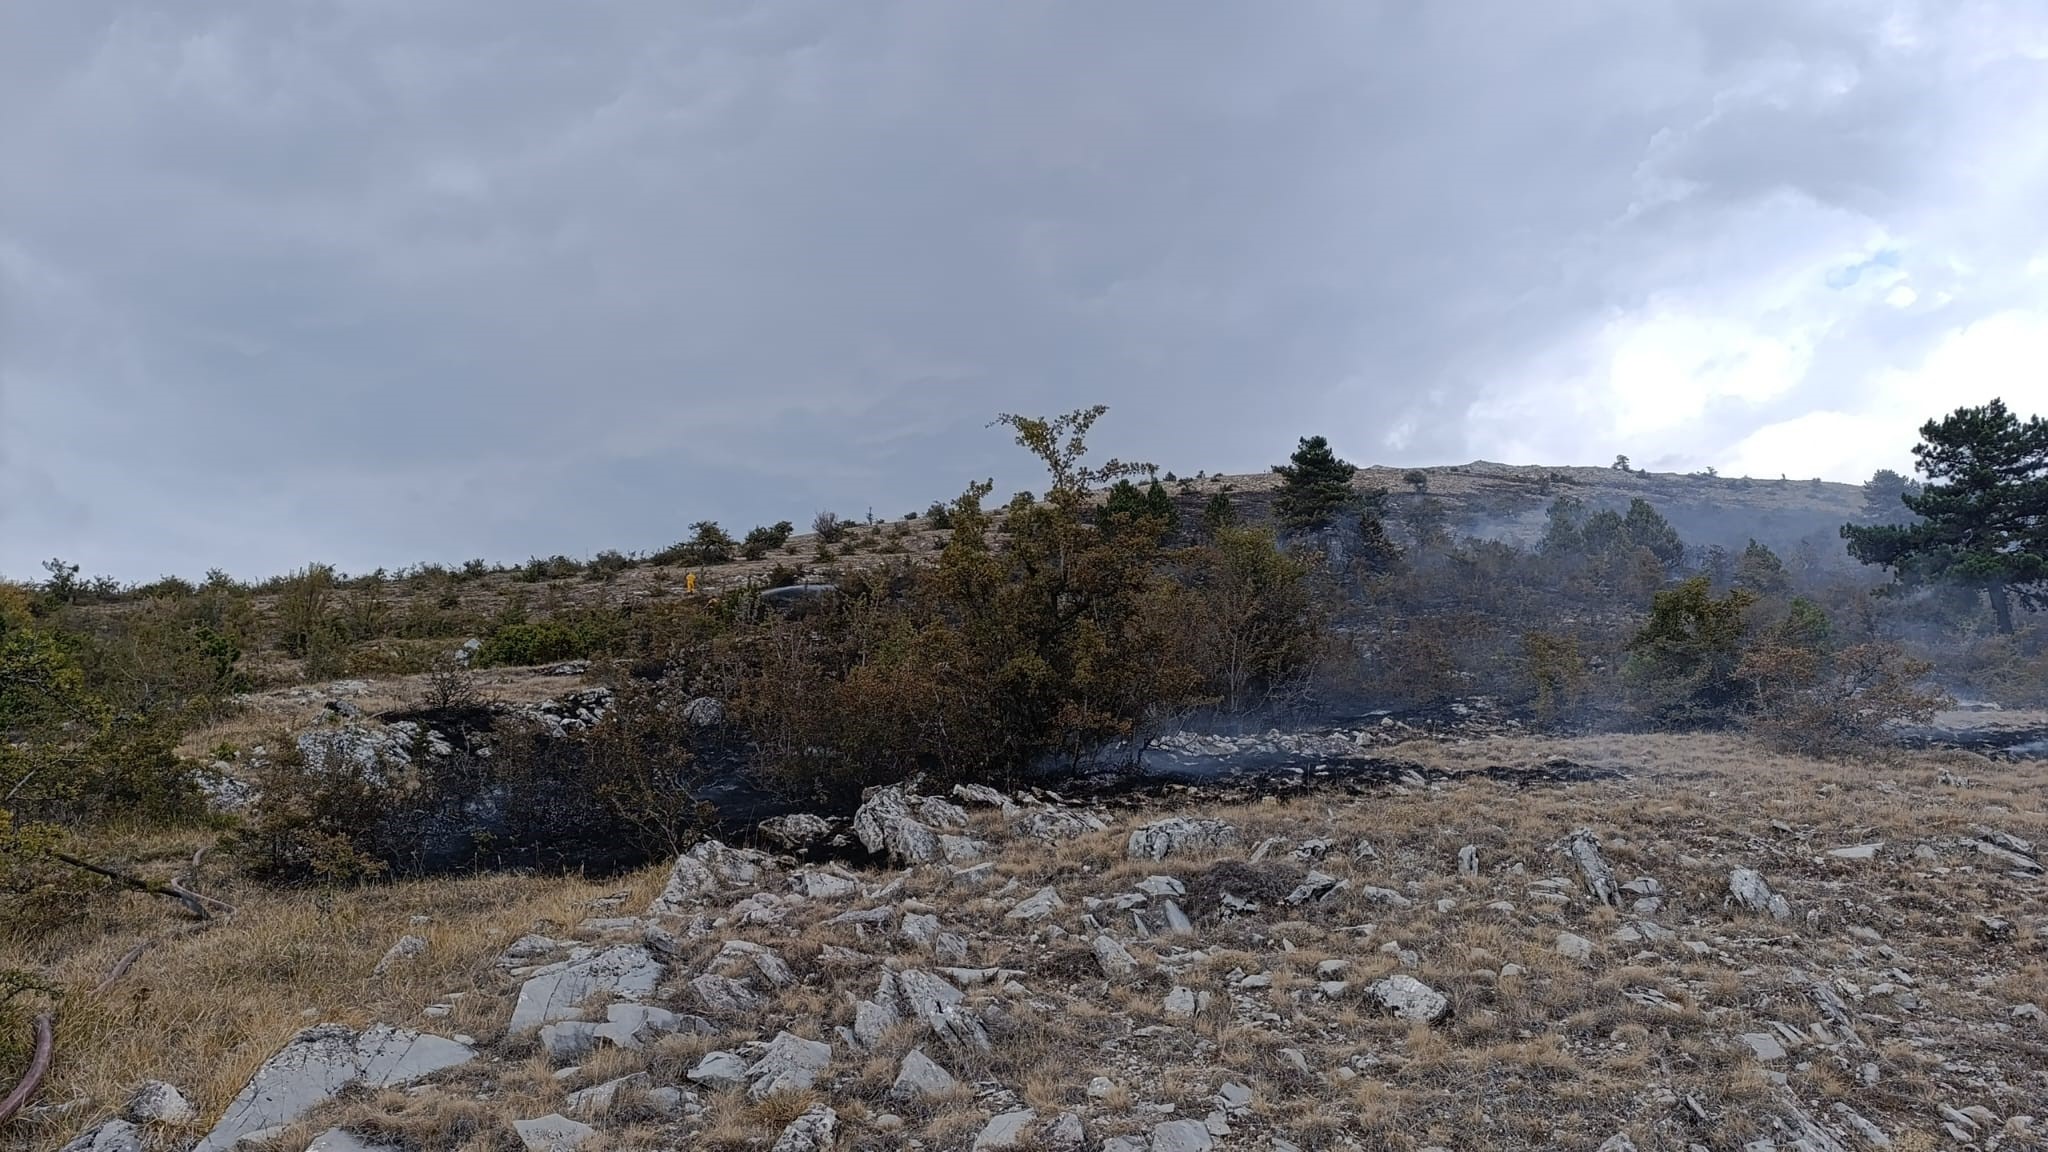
(376, 281)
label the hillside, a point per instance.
(1464, 957)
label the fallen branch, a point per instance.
(38, 1067)
(195, 902)
(121, 967)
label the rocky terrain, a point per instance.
(1505, 942)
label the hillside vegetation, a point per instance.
(219, 795)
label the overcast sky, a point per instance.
(379, 281)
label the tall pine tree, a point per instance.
(1314, 486)
(1983, 512)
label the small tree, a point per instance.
(1645, 527)
(1759, 570)
(761, 541)
(1314, 486)
(1984, 511)
(710, 543)
(1621, 464)
(829, 527)
(1682, 664)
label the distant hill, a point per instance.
(1509, 502)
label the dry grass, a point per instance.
(1562, 1054)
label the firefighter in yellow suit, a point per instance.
(689, 582)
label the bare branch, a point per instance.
(197, 903)
(38, 1067)
(121, 967)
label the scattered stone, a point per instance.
(1411, 999)
(814, 1131)
(1574, 947)
(1468, 860)
(597, 1100)
(557, 991)
(1857, 851)
(814, 885)
(1113, 958)
(318, 1063)
(1179, 835)
(886, 825)
(921, 1078)
(155, 1102)
(719, 1071)
(342, 1140)
(1317, 886)
(110, 1136)
(1764, 1045)
(708, 869)
(1006, 1131)
(553, 1132)
(1584, 849)
(1066, 1133)
(789, 1064)
(1747, 889)
(1037, 906)
(724, 996)
(1180, 1004)
(797, 831)
(408, 949)
(1182, 1136)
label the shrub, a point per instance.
(1823, 703)
(761, 541)
(1682, 663)
(1416, 478)
(830, 529)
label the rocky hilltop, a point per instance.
(1685, 943)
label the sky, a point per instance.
(374, 282)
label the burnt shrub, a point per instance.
(488, 789)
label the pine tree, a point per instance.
(1314, 486)
(1884, 498)
(1984, 511)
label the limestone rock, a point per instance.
(815, 885)
(319, 1063)
(1182, 1136)
(1746, 887)
(1179, 835)
(719, 1071)
(706, 870)
(797, 831)
(1572, 946)
(342, 1140)
(921, 1078)
(155, 1102)
(1410, 999)
(597, 1100)
(1037, 906)
(1113, 958)
(1584, 849)
(112, 1136)
(557, 992)
(886, 823)
(815, 1131)
(408, 949)
(1008, 1130)
(553, 1133)
(724, 996)
(789, 1064)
